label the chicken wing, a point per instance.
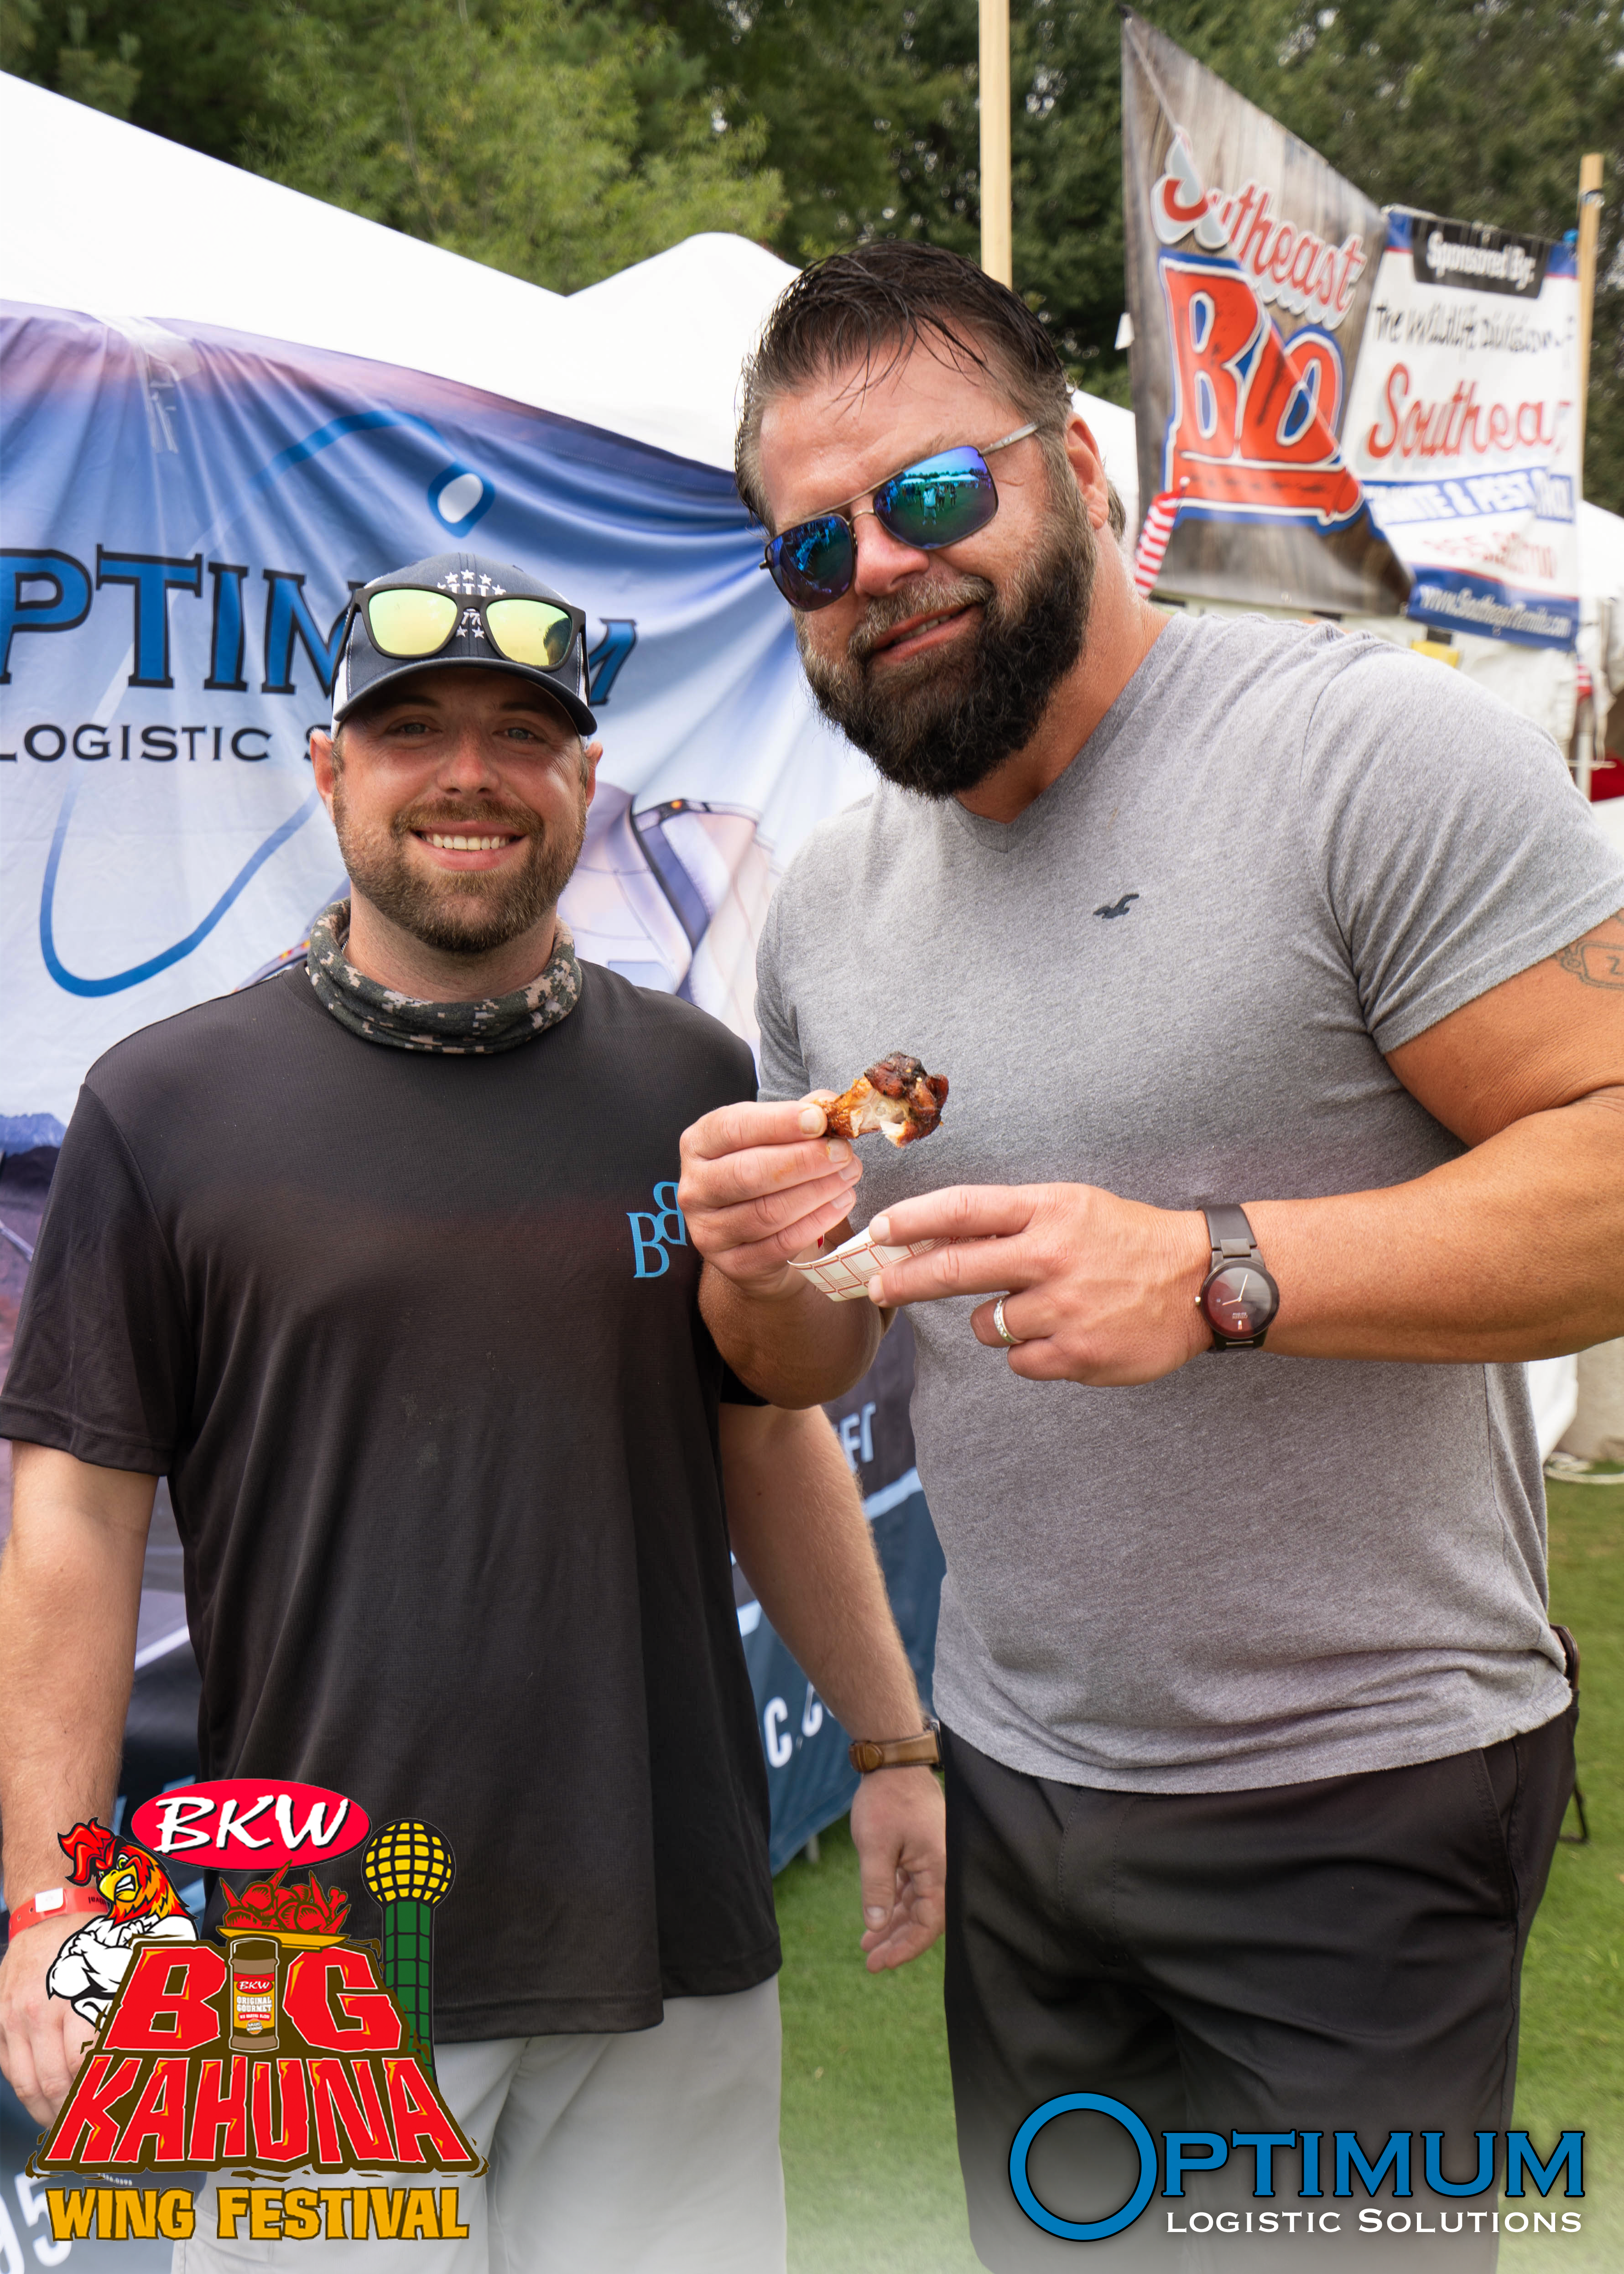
(897, 1097)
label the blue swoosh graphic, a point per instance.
(321, 437)
(119, 979)
(354, 422)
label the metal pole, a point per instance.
(15, 1240)
(1585, 744)
(1589, 222)
(997, 257)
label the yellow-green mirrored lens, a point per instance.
(530, 631)
(409, 622)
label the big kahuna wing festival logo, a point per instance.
(286, 2056)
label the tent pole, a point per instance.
(996, 250)
(1589, 222)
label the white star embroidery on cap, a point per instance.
(464, 581)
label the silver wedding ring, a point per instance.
(1010, 1341)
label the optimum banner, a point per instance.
(1464, 424)
(187, 512)
(1250, 265)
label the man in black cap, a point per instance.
(381, 1263)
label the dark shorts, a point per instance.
(1342, 1955)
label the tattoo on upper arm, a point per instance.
(1598, 962)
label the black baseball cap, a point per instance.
(469, 626)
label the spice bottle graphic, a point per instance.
(254, 1988)
(408, 1868)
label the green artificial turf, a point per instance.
(869, 2155)
(869, 2164)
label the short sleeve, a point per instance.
(102, 1367)
(1451, 845)
(783, 1068)
(739, 1091)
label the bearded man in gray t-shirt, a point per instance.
(1279, 976)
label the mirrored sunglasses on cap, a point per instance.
(935, 502)
(412, 621)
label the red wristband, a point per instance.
(54, 1903)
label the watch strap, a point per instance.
(1233, 1242)
(1230, 1234)
(866, 1754)
(54, 1903)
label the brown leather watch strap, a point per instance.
(866, 1754)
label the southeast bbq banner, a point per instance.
(1250, 267)
(1464, 424)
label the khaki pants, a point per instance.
(651, 2152)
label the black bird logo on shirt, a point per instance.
(1118, 908)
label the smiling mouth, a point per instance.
(443, 843)
(906, 635)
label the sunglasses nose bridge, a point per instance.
(882, 556)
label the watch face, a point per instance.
(1240, 1300)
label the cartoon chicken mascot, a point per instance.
(91, 1963)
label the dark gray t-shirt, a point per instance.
(1281, 853)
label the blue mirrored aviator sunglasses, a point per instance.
(934, 503)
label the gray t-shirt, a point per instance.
(1281, 853)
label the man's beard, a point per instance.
(943, 721)
(459, 912)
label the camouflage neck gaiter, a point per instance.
(500, 1022)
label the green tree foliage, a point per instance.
(556, 143)
(1479, 110)
(869, 109)
(106, 79)
(105, 82)
(19, 30)
(198, 68)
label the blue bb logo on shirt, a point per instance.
(656, 1232)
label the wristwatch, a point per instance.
(866, 1754)
(1238, 1299)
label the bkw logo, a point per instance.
(655, 1233)
(1254, 419)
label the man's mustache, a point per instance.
(465, 820)
(928, 596)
